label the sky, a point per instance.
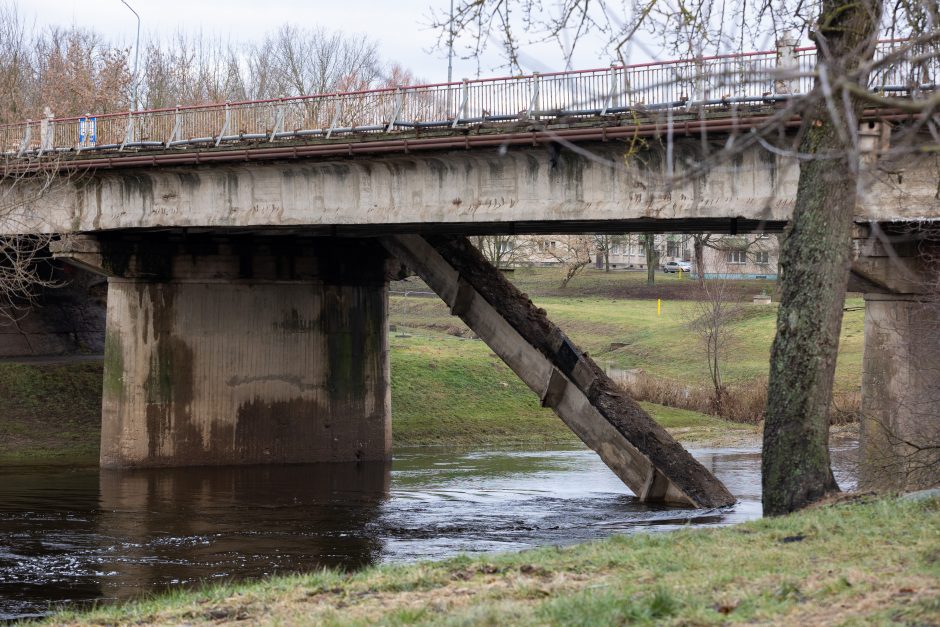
(402, 27)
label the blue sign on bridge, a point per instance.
(87, 131)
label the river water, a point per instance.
(77, 535)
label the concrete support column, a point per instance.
(900, 429)
(898, 269)
(244, 351)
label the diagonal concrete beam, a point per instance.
(645, 457)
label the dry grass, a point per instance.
(744, 403)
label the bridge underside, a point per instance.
(253, 349)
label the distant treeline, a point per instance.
(73, 71)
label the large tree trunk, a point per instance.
(815, 260)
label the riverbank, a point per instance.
(444, 392)
(866, 560)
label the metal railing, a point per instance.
(760, 77)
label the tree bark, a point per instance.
(815, 260)
(651, 258)
(698, 247)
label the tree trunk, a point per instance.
(815, 260)
(651, 258)
(606, 260)
(698, 247)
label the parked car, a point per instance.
(677, 266)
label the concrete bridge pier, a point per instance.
(242, 349)
(900, 426)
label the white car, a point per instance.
(677, 266)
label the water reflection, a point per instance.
(74, 535)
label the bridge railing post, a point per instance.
(399, 103)
(177, 127)
(337, 111)
(700, 82)
(128, 131)
(46, 131)
(278, 126)
(786, 81)
(225, 124)
(462, 112)
(612, 91)
(536, 83)
(27, 137)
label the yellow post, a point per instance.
(659, 306)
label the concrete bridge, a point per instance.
(248, 272)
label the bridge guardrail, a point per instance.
(719, 81)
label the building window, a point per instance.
(737, 256)
(552, 245)
(672, 249)
(762, 257)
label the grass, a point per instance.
(444, 392)
(50, 413)
(863, 562)
(631, 334)
(546, 281)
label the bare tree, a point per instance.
(572, 252)
(605, 243)
(712, 312)
(294, 60)
(503, 251)
(69, 71)
(24, 259)
(192, 69)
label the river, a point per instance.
(79, 535)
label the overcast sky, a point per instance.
(401, 27)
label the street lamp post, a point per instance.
(450, 45)
(136, 52)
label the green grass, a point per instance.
(659, 343)
(50, 413)
(445, 392)
(864, 562)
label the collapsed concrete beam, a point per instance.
(645, 457)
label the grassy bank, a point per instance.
(458, 393)
(444, 392)
(631, 334)
(875, 562)
(50, 413)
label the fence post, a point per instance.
(787, 81)
(337, 109)
(612, 91)
(27, 137)
(46, 130)
(700, 86)
(177, 126)
(399, 102)
(278, 119)
(224, 126)
(533, 110)
(462, 112)
(129, 131)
